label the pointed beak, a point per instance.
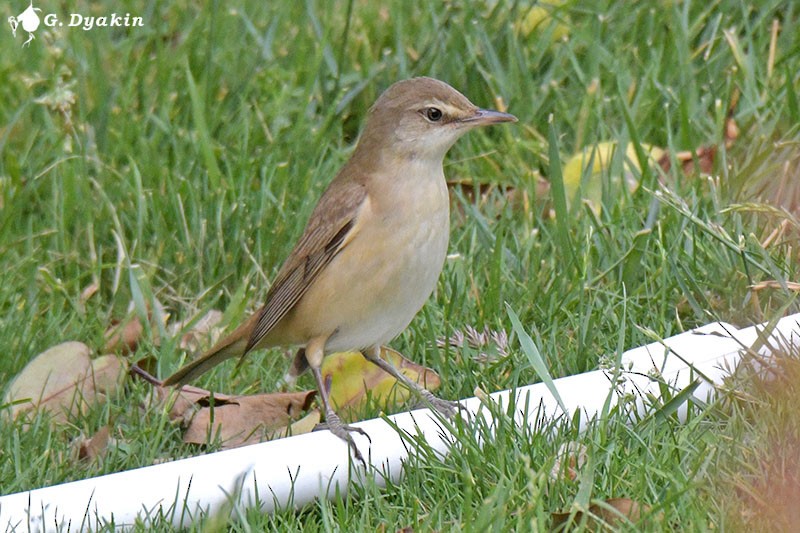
(485, 117)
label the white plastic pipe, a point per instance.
(297, 470)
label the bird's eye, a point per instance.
(434, 114)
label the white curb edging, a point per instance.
(297, 470)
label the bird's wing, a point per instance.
(328, 231)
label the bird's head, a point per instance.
(422, 118)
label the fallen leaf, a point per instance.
(64, 381)
(149, 364)
(123, 337)
(49, 379)
(570, 458)
(180, 403)
(96, 446)
(774, 284)
(612, 512)
(89, 291)
(242, 420)
(539, 19)
(600, 156)
(701, 160)
(299, 427)
(350, 376)
(615, 509)
(188, 399)
(105, 376)
(203, 332)
(236, 420)
(692, 162)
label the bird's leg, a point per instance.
(447, 408)
(314, 353)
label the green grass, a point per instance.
(190, 152)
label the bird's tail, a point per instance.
(234, 345)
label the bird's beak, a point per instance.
(484, 117)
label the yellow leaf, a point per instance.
(298, 427)
(539, 18)
(600, 156)
(350, 376)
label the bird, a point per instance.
(372, 250)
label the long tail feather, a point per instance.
(234, 345)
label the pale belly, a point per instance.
(388, 294)
(375, 286)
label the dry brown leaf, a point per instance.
(350, 376)
(182, 402)
(89, 291)
(236, 420)
(49, 379)
(484, 193)
(383, 528)
(96, 446)
(242, 420)
(570, 459)
(64, 381)
(701, 160)
(612, 512)
(189, 397)
(179, 402)
(704, 156)
(774, 284)
(123, 337)
(149, 364)
(105, 377)
(204, 332)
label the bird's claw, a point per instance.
(446, 408)
(335, 425)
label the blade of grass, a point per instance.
(559, 195)
(534, 356)
(204, 137)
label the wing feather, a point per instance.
(326, 234)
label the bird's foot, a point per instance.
(335, 425)
(446, 408)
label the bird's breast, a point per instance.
(388, 269)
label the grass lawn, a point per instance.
(183, 157)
